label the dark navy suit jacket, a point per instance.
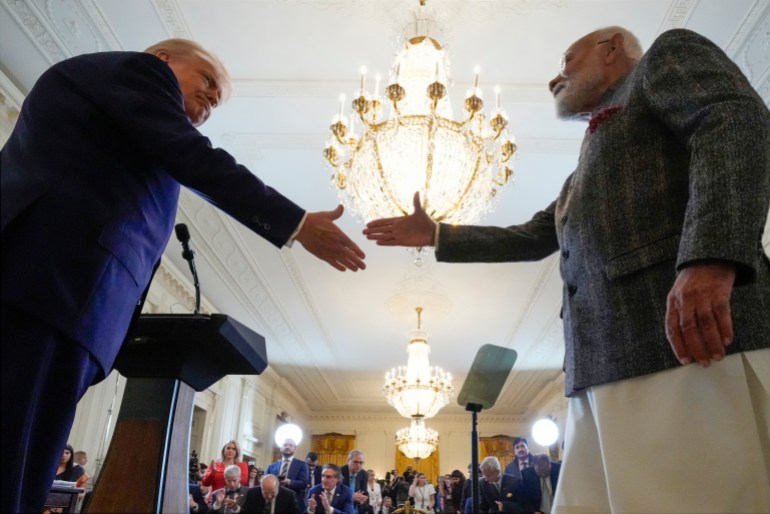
(531, 489)
(342, 501)
(510, 495)
(298, 473)
(87, 213)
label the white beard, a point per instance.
(574, 100)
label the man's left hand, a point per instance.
(699, 324)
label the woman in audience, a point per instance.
(375, 493)
(215, 474)
(253, 476)
(423, 493)
(67, 469)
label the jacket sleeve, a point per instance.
(710, 106)
(531, 241)
(143, 95)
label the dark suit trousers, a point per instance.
(44, 374)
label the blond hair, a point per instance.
(187, 48)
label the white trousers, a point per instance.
(685, 440)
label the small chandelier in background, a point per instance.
(457, 166)
(417, 441)
(418, 390)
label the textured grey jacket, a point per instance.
(674, 169)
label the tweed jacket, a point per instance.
(674, 169)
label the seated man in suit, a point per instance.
(538, 484)
(330, 496)
(291, 472)
(229, 499)
(387, 505)
(498, 492)
(270, 498)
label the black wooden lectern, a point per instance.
(167, 358)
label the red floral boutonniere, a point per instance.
(600, 117)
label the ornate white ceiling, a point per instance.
(331, 336)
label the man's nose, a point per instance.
(552, 84)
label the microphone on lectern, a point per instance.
(183, 235)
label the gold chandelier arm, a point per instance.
(385, 183)
(460, 200)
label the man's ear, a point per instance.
(163, 55)
(615, 48)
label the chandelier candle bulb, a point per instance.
(497, 96)
(342, 104)
(476, 70)
(377, 84)
(363, 77)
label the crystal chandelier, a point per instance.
(417, 441)
(418, 390)
(457, 166)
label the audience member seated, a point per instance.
(498, 492)
(387, 506)
(269, 497)
(330, 496)
(523, 458)
(539, 484)
(229, 499)
(215, 474)
(68, 470)
(196, 499)
(423, 492)
(291, 472)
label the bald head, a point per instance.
(590, 66)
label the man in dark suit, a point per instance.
(313, 468)
(230, 498)
(270, 498)
(291, 471)
(538, 484)
(523, 457)
(330, 496)
(498, 492)
(659, 238)
(356, 478)
(90, 182)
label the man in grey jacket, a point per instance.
(659, 233)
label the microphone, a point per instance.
(183, 235)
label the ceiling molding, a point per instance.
(34, 23)
(10, 107)
(750, 43)
(550, 265)
(678, 14)
(170, 15)
(101, 25)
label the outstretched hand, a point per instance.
(698, 320)
(416, 229)
(324, 239)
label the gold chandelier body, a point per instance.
(457, 166)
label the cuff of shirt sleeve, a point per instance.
(290, 242)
